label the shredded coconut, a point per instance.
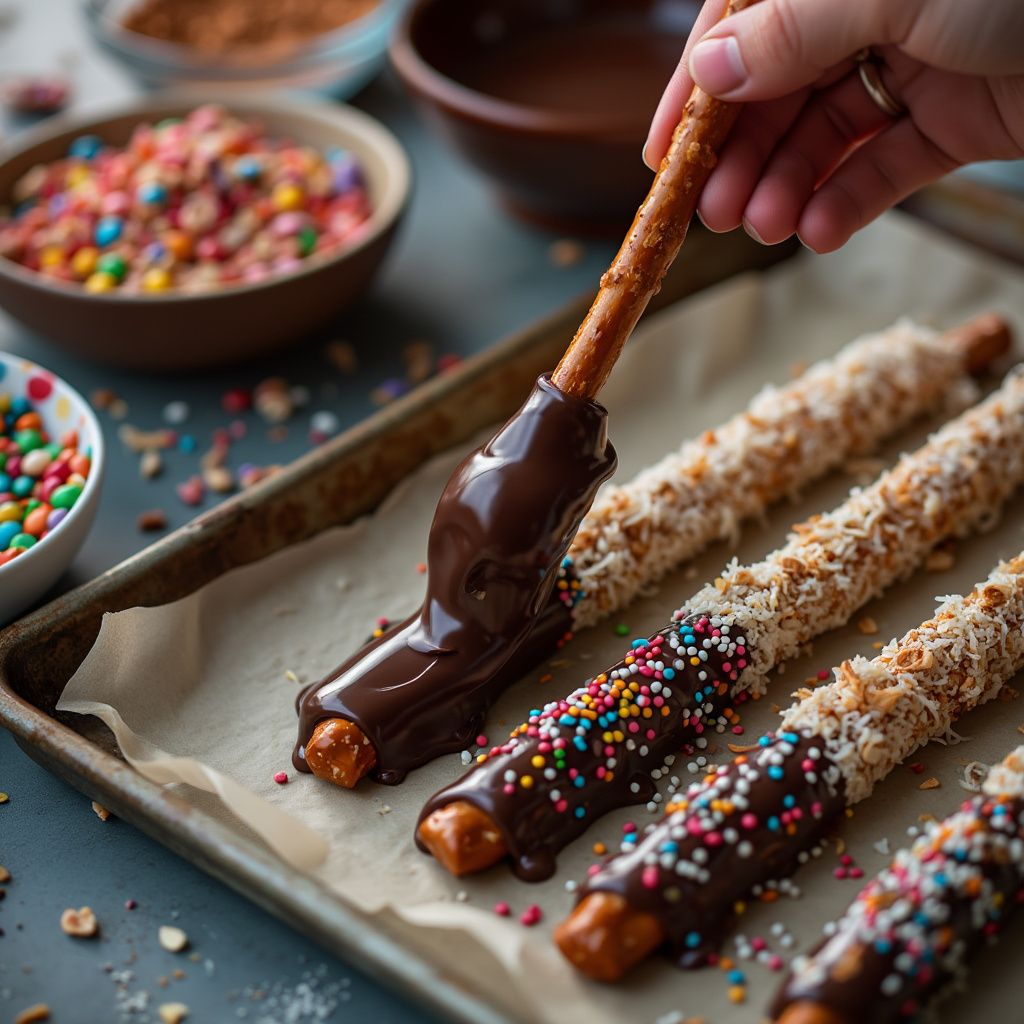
(788, 436)
(875, 713)
(834, 563)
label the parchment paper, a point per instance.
(202, 693)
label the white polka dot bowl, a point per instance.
(26, 578)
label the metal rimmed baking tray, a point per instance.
(330, 486)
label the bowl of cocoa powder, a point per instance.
(329, 46)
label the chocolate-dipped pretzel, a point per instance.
(753, 821)
(915, 927)
(597, 749)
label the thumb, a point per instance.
(775, 47)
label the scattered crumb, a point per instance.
(741, 748)
(100, 811)
(219, 479)
(940, 561)
(932, 783)
(174, 940)
(5, 875)
(878, 645)
(1008, 693)
(566, 252)
(462, 896)
(882, 846)
(292, 677)
(1020, 728)
(151, 521)
(151, 465)
(343, 355)
(840, 845)
(4, 798)
(33, 1014)
(867, 626)
(172, 1013)
(973, 776)
(384, 809)
(79, 924)
(925, 818)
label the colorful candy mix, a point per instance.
(193, 204)
(40, 479)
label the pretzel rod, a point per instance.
(787, 437)
(652, 243)
(753, 821)
(603, 745)
(915, 927)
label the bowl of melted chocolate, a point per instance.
(550, 99)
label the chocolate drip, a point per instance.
(586, 755)
(743, 826)
(888, 975)
(501, 529)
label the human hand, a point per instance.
(812, 153)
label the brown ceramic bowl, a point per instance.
(181, 331)
(551, 99)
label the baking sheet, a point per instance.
(207, 679)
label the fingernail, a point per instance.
(753, 234)
(717, 65)
(643, 156)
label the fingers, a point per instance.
(878, 175)
(777, 46)
(829, 126)
(670, 108)
(754, 138)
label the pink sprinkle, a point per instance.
(856, 872)
(737, 730)
(823, 674)
(481, 740)
(757, 944)
(713, 838)
(628, 827)
(130, 904)
(280, 778)
(190, 492)
(502, 909)
(839, 872)
(775, 962)
(531, 915)
(749, 821)
(382, 622)
(846, 860)
(508, 789)
(593, 869)
(649, 877)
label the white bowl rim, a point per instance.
(386, 210)
(94, 479)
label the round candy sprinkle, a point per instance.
(194, 204)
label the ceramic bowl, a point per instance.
(179, 331)
(550, 99)
(26, 578)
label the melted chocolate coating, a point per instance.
(768, 820)
(501, 529)
(571, 789)
(850, 971)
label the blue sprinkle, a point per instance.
(669, 847)
(567, 720)
(790, 737)
(579, 782)
(736, 978)
(639, 642)
(579, 812)
(152, 193)
(775, 771)
(85, 147)
(579, 743)
(108, 230)
(669, 673)
(788, 801)
(567, 562)
(692, 940)
(774, 823)
(883, 946)
(765, 741)
(187, 444)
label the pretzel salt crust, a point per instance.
(787, 437)
(879, 711)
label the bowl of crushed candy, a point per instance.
(331, 47)
(51, 474)
(147, 258)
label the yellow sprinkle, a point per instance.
(480, 758)
(600, 849)
(51, 256)
(83, 263)
(739, 907)
(737, 994)
(695, 661)
(537, 761)
(97, 283)
(156, 279)
(526, 781)
(287, 196)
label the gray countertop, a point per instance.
(461, 275)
